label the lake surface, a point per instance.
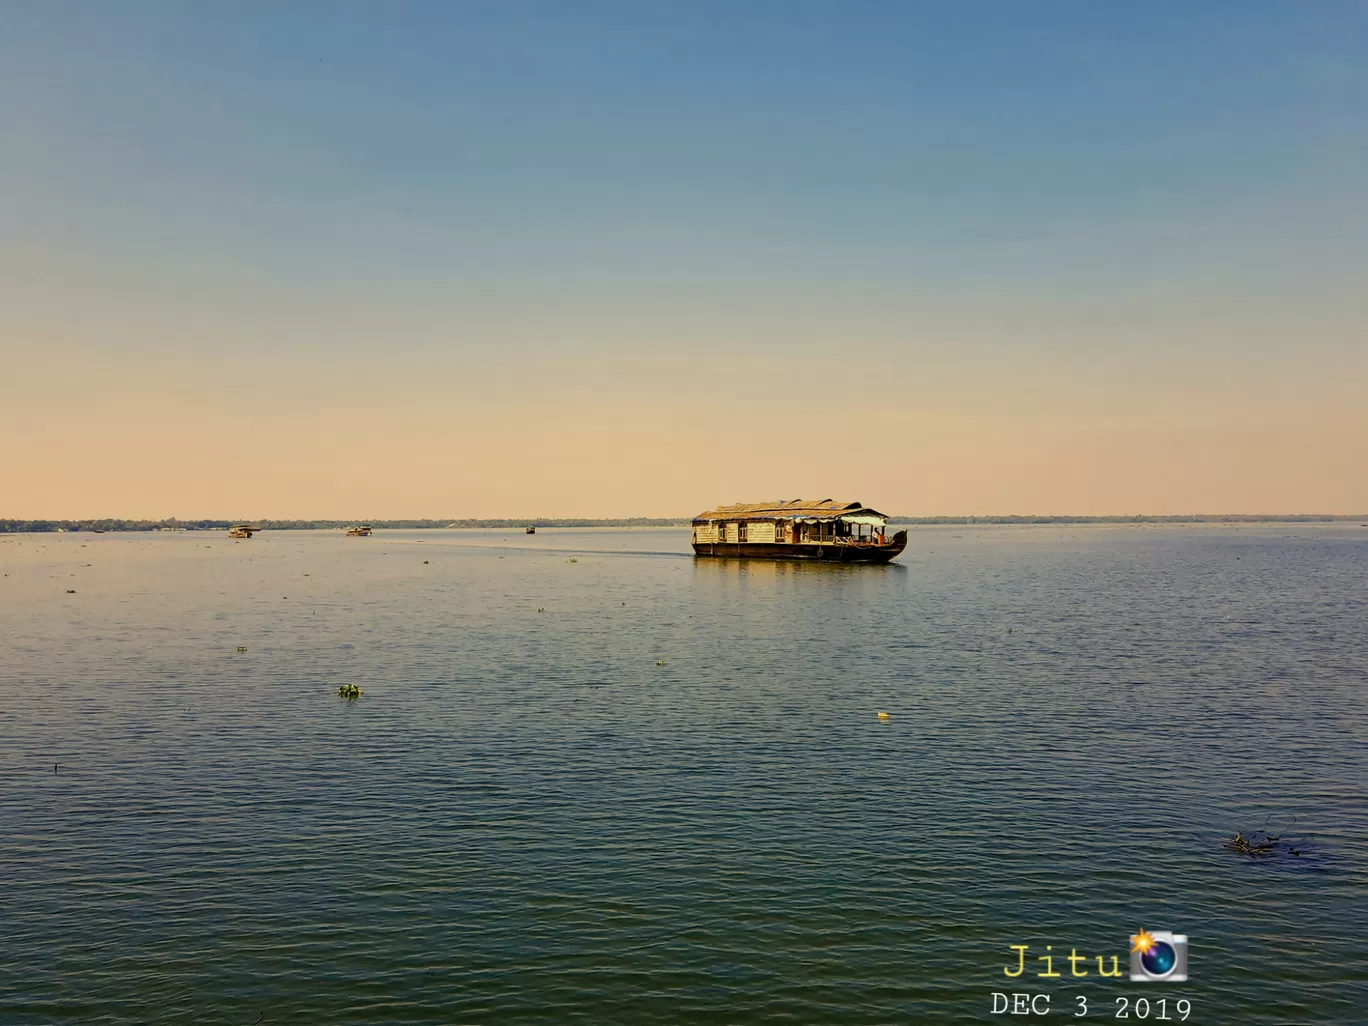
(592, 780)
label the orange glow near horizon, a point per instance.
(257, 435)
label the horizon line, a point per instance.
(39, 525)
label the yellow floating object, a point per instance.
(883, 715)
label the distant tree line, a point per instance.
(172, 524)
(19, 526)
(1141, 518)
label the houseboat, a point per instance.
(839, 532)
(359, 531)
(241, 531)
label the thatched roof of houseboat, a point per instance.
(818, 509)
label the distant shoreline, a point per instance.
(172, 524)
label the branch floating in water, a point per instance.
(1260, 844)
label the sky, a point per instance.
(508, 259)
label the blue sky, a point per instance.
(1135, 198)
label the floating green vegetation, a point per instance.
(349, 691)
(242, 648)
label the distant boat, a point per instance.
(530, 529)
(359, 531)
(838, 532)
(241, 531)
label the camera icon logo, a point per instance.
(1159, 956)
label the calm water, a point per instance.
(528, 818)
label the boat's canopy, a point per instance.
(800, 510)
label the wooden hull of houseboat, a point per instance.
(826, 553)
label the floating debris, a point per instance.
(1255, 845)
(573, 560)
(883, 715)
(242, 648)
(349, 691)
(71, 591)
(425, 562)
(660, 662)
(1260, 844)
